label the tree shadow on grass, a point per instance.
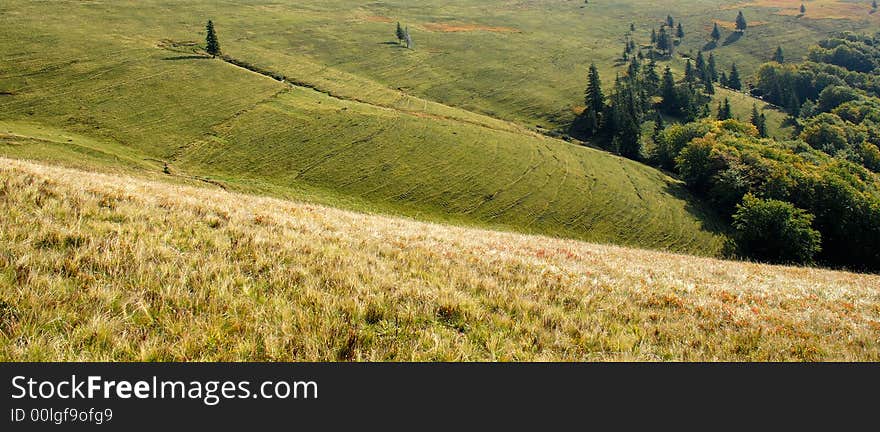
(732, 38)
(187, 57)
(393, 44)
(710, 220)
(710, 46)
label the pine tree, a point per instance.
(874, 4)
(723, 79)
(668, 93)
(212, 45)
(741, 22)
(724, 110)
(777, 56)
(400, 34)
(679, 32)
(690, 74)
(594, 100)
(711, 69)
(803, 9)
(632, 27)
(716, 33)
(700, 65)
(759, 120)
(658, 126)
(653, 36)
(793, 105)
(650, 78)
(625, 120)
(669, 21)
(664, 42)
(733, 80)
(707, 84)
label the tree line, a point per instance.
(814, 197)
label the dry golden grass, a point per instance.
(104, 267)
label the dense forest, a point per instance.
(811, 198)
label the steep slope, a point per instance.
(116, 79)
(109, 267)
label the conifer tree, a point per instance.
(724, 110)
(658, 126)
(777, 56)
(707, 84)
(664, 42)
(667, 91)
(710, 68)
(594, 100)
(653, 36)
(632, 27)
(625, 120)
(679, 32)
(733, 80)
(400, 34)
(803, 9)
(723, 79)
(650, 78)
(689, 74)
(741, 23)
(716, 33)
(759, 120)
(874, 4)
(700, 65)
(669, 21)
(212, 45)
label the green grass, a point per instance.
(442, 132)
(127, 80)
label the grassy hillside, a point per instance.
(122, 88)
(109, 267)
(522, 61)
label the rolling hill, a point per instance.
(126, 88)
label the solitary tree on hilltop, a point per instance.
(716, 33)
(741, 22)
(669, 21)
(400, 34)
(212, 44)
(778, 57)
(803, 9)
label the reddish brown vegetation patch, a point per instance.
(452, 28)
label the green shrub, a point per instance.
(775, 231)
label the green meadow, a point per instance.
(444, 132)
